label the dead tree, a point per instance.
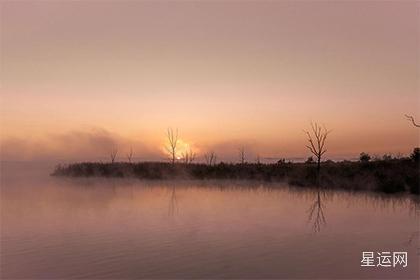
(113, 154)
(316, 140)
(411, 118)
(210, 158)
(188, 156)
(172, 144)
(130, 155)
(242, 154)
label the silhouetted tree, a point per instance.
(364, 157)
(316, 140)
(210, 158)
(188, 156)
(310, 160)
(387, 157)
(281, 161)
(130, 155)
(172, 144)
(411, 118)
(113, 154)
(415, 155)
(242, 155)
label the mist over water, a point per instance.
(128, 228)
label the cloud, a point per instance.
(94, 144)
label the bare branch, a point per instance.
(210, 158)
(130, 155)
(317, 139)
(188, 156)
(411, 118)
(242, 154)
(172, 144)
(113, 154)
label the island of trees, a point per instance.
(385, 174)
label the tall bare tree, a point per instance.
(242, 154)
(113, 154)
(411, 118)
(316, 139)
(130, 155)
(172, 143)
(210, 158)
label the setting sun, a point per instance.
(182, 149)
(209, 139)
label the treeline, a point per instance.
(389, 175)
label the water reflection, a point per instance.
(115, 228)
(414, 211)
(173, 203)
(316, 213)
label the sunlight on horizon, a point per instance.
(78, 77)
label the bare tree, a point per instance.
(172, 144)
(113, 154)
(242, 154)
(411, 118)
(316, 140)
(130, 155)
(188, 156)
(210, 158)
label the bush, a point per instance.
(386, 157)
(364, 157)
(415, 155)
(310, 160)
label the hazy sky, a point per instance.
(78, 77)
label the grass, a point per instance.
(385, 175)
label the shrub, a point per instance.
(364, 157)
(415, 155)
(386, 157)
(310, 160)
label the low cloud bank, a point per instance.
(94, 145)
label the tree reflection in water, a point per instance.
(173, 203)
(316, 213)
(415, 211)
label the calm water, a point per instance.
(98, 228)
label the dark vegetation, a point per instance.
(387, 174)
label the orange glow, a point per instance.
(182, 148)
(77, 78)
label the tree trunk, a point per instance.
(318, 171)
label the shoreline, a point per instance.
(387, 176)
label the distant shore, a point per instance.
(389, 176)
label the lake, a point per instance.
(128, 228)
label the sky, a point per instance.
(79, 78)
